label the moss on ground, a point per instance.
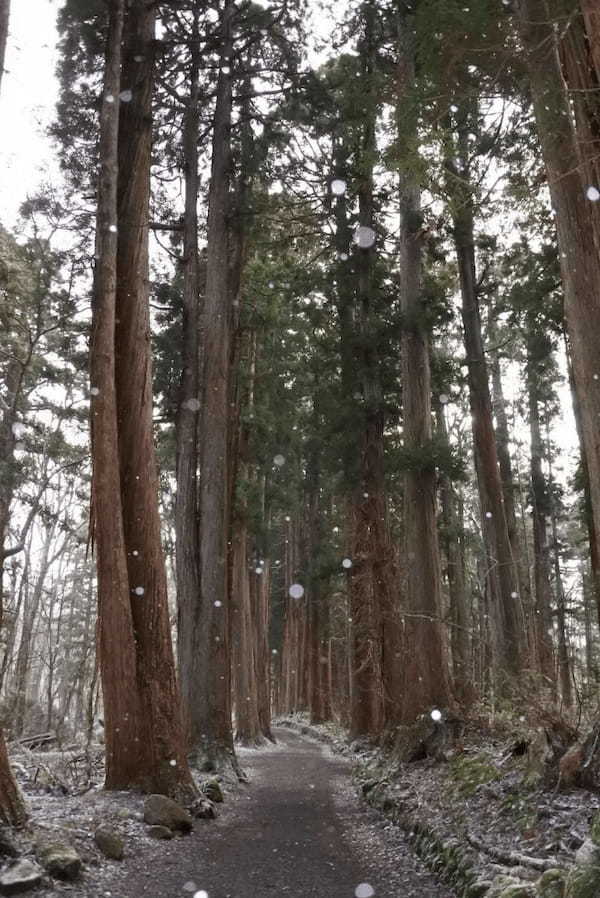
(467, 773)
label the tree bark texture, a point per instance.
(425, 668)
(210, 714)
(4, 19)
(508, 621)
(187, 533)
(577, 225)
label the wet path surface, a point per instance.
(297, 830)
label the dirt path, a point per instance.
(297, 830)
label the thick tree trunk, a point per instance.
(591, 16)
(594, 543)
(187, 533)
(578, 232)
(372, 579)
(122, 708)
(211, 732)
(163, 764)
(426, 682)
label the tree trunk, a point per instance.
(4, 17)
(591, 16)
(516, 538)
(460, 616)
(30, 612)
(243, 655)
(508, 622)
(316, 674)
(122, 709)
(540, 506)
(163, 766)
(187, 535)
(578, 232)
(425, 670)
(564, 663)
(211, 712)
(590, 524)
(12, 809)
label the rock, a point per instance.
(7, 845)
(204, 809)
(59, 859)
(110, 843)
(570, 765)
(160, 832)
(551, 884)
(540, 761)
(162, 811)
(212, 790)
(478, 889)
(20, 877)
(588, 854)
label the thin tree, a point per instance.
(4, 18)
(12, 809)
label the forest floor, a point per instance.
(296, 829)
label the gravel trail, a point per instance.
(296, 830)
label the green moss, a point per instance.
(551, 884)
(595, 830)
(469, 773)
(583, 882)
(519, 891)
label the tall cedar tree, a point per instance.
(187, 533)
(424, 652)
(210, 712)
(144, 738)
(577, 221)
(507, 629)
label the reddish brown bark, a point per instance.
(425, 668)
(210, 714)
(144, 736)
(243, 646)
(122, 710)
(507, 624)
(577, 225)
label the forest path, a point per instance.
(297, 830)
